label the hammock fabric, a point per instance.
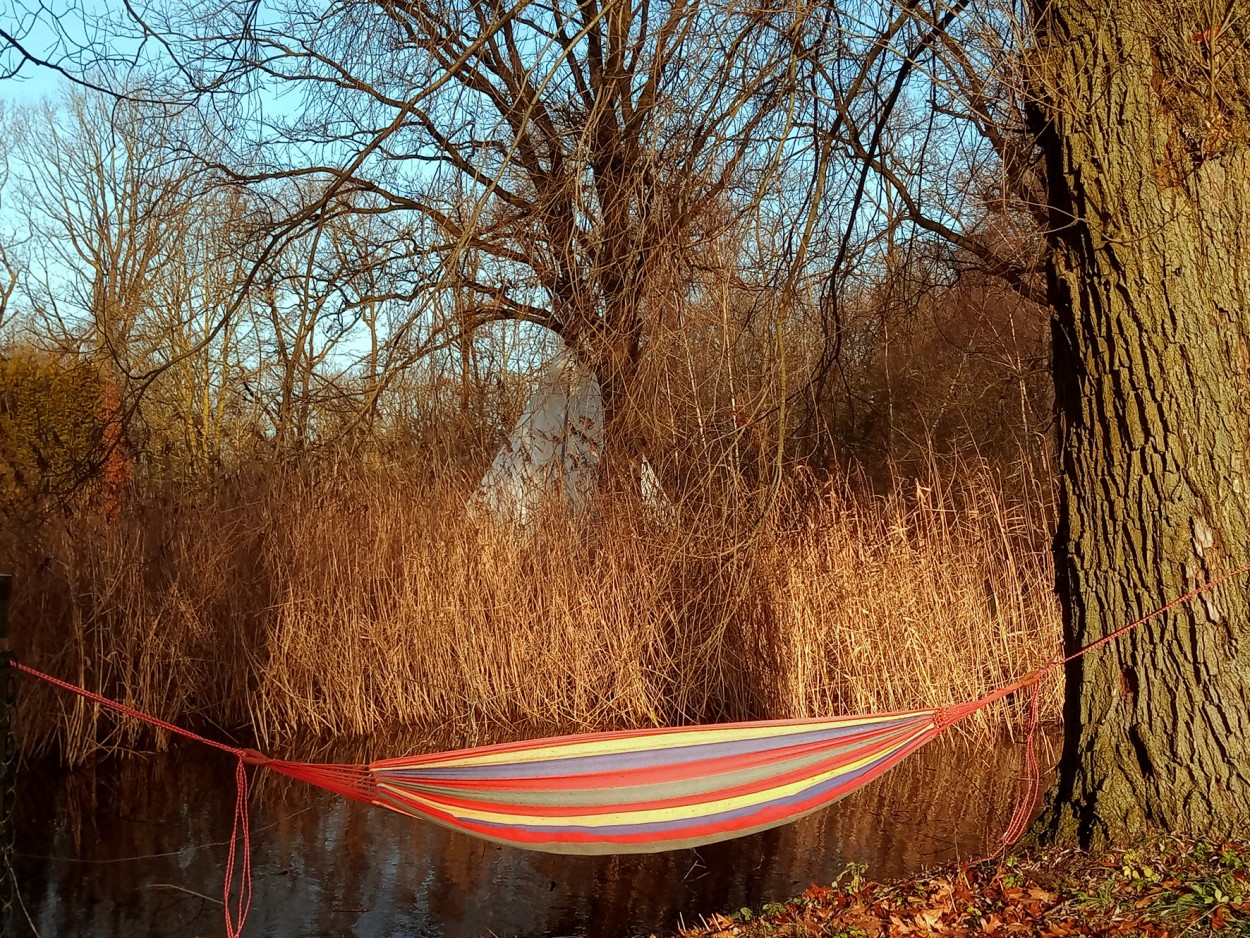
(630, 791)
(638, 791)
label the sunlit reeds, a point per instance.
(360, 597)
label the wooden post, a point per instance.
(8, 757)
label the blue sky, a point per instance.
(33, 84)
(87, 38)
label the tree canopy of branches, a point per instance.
(592, 169)
(731, 194)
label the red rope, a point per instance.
(240, 830)
(350, 781)
(1124, 629)
(1031, 780)
(129, 711)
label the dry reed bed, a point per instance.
(352, 601)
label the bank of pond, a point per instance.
(1167, 886)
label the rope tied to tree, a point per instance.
(355, 781)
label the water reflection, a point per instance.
(138, 849)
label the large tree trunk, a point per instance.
(1141, 110)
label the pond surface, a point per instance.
(137, 848)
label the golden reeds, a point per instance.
(361, 597)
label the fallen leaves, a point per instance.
(1167, 889)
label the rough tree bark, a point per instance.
(1142, 113)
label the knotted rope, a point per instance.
(345, 780)
(240, 832)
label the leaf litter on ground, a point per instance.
(1168, 887)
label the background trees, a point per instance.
(589, 169)
(562, 165)
(711, 204)
(812, 235)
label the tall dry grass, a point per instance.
(286, 606)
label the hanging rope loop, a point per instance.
(357, 781)
(240, 854)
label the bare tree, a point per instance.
(576, 149)
(138, 262)
(10, 266)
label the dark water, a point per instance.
(138, 848)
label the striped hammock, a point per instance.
(643, 791)
(639, 791)
(630, 791)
